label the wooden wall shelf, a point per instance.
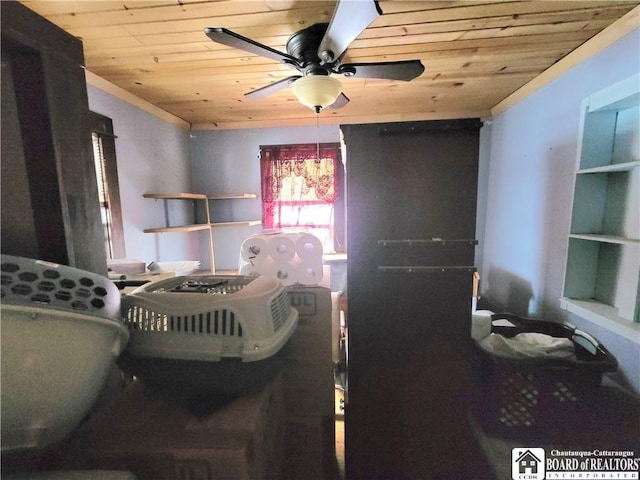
(182, 228)
(206, 225)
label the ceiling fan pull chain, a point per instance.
(318, 137)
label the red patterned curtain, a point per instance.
(299, 187)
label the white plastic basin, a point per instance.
(54, 364)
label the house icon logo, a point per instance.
(527, 464)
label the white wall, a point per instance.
(526, 172)
(228, 161)
(532, 159)
(153, 156)
(484, 156)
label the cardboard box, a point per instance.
(310, 448)
(158, 437)
(308, 377)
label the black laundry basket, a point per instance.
(538, 397)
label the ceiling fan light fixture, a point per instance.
(317, 91)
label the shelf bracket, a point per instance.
(426, 269)
(424, 242)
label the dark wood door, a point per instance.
(411, 203)
(50, 208)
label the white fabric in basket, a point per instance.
(528, 345)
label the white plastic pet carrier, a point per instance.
(208, 334)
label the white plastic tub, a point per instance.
(61, 332)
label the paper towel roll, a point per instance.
(481, 324)
(283, 271)
(309, 247)
(309, 272)
(282, 248)
(254, 250)
(249, 270)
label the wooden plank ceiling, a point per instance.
(475, 53)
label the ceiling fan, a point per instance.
(316, 53)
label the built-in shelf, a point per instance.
(602, 276)
(207, 224)
(603, 315)
(617, 167)
(605, 238)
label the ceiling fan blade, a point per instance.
(271, 88)
(349, 19)
(340, 102)
(235, 40)
(403, 70)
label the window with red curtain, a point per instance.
(301, 189)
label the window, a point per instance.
(302, 190)
(104, 153)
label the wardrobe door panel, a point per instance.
(411, 206)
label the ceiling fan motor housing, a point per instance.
(304, 46)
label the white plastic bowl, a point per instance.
(54, 364)
(180, 268)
